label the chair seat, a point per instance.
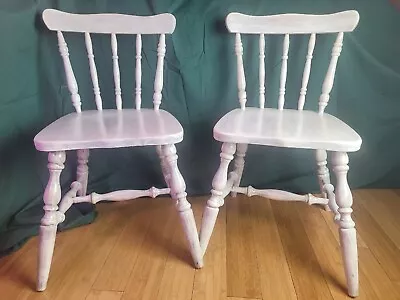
(110, 128)
(287, 128)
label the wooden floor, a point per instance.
(259, 250)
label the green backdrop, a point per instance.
(200, 86)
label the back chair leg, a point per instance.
(82, 172)
(51, 218)
(241, 150)
(177, 186)
(323, 172)
(164, 167)
(217, 195)
(347, 229)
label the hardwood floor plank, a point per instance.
(385, 213)
(377, 240)
(243, 279)
(328, 253)
(276, 281)
(210, 282)
(178, 278)
(115, 273)
(144, 281)
(306, 272)
(104, 295)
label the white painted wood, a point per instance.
(262, 71)
(322, 172)
(306, 72)
(330, 74)
(347, 229)
(241, 150)
(293, 23)
(178, 187)
(109, 128)
(158, 82)
(280, 195)
(122, 195)
(69, 73)
(329, 189)
(286, 128)
(51, 218)
(108, 23)
(93, 71)
(82, 171)
(138, 74)
(282, 88)
(164, 167)
(216, 200)
(240, 72)
(117, 79)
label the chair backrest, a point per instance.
(287, 24)
(112, 24)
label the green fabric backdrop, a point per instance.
(200, 86)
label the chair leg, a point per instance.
(239, 164)
(347, 229)
(323, 172)
(177, 186)
(82, 171)
(51, 218)
(216, 200)
(164, 166)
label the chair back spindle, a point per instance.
(282, 85)
(69, 73)
(117, 79)
(158, 81)
(262, 71)
(241, 79)
(288, 24)
(330, 74)
(138, 74)
(93, 71)
(306, 72)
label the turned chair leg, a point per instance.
(164, 166)
(51, 218)
(82, 171)
(217, 198)
(178, 187)
(239, 164)
(347, 229)
(323, 172)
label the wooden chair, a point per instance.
(109, 128)
(289, 128)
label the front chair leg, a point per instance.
(82, 171)
(178, 187)
(51, 218)
(241, 150)
(217, 199)
(347, 229)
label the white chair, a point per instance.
(109, 128)
(289, 128)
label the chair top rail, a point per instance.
(344, 21)
(109, 23)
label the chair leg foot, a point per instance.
(177, 186)
(347, 231)
(51, 218)
(219, 182)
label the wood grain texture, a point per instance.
(294, 247)
(243, 276)
(104, 295)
